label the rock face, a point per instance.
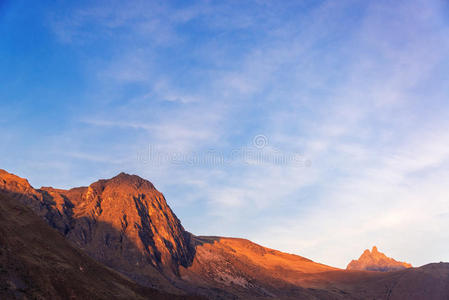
(376, 261)
(123, 222)
(126, 215)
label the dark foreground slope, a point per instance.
(36, 262)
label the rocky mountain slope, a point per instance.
(244, 268)
(36, 262)
(376, 261)
(123, 222)
(126, 224)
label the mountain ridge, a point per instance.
(125, 224)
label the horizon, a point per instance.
(311, 127)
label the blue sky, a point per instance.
(355, 91)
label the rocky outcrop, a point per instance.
(54, 210)
(376, 261)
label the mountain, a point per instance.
(126, 226)
(122, 222)
(36, 262)
(376, 261)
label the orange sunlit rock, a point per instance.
(376, 261)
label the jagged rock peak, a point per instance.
(375, 260)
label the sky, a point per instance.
(319, 128)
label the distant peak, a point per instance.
(375, 260)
